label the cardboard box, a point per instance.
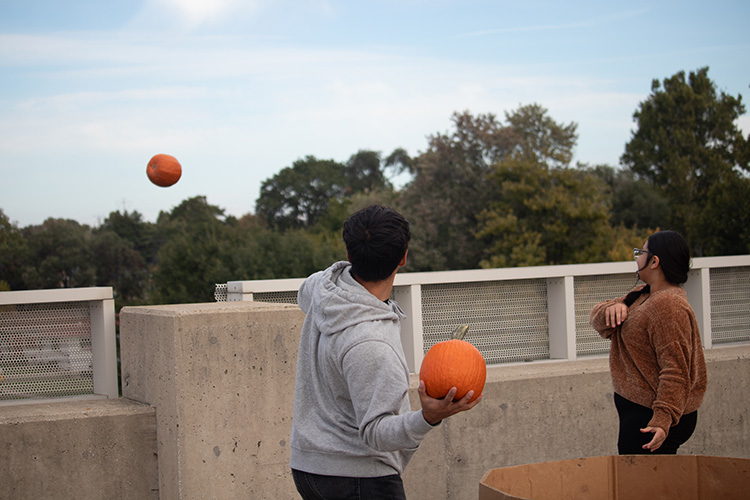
(630, 477)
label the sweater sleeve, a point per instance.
(378, 386)
(670, 334)
(599, 322)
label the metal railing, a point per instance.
(57, 343)
(536, 313)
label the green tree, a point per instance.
(451, 184)
(298, 195)
(131, 227)
(539, 139)
(119, 265)
(688, 146)
(194, 256)
(59, 255)
(725, 221)
(544, 216)
(623, 240)
(13, 253)
(449, 188)
(635, 202)
(261, 253)
(124, 250)
(399, 162)
(364, 173)
(301, 195)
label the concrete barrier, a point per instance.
(78, 450)
(221, 379)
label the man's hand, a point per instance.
(615, 314)
(435, 410)
(659, 436)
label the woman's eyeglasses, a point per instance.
(637, 252)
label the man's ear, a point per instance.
(403, 259)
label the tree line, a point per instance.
(487, 193)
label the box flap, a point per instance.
(579, 479)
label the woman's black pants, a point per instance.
(634, 417)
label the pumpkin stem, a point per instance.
(459, 332)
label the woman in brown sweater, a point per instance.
(656, 357)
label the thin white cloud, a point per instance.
(612, 18)
(173, 57)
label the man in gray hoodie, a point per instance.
(353, 430)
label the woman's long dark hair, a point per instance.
(674, 258)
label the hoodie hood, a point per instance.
(341, 302)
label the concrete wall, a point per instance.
(78, 450)
(221, 379)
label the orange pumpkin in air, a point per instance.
(164, 170)
(454, 363)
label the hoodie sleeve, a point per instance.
(378, 385)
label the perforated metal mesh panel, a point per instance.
(287, 297)
(730, 304)
(588, 291)
(45, 350)
(220, 292)
(508, 319)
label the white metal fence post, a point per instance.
(103, 347)
(698, 290)
(562, 318)
(409, 298)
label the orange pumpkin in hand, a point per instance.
(453, 363)
(164, 170)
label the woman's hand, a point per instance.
(435, 410)
(659, 436)
(615, 314)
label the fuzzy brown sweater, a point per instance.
(656, 356)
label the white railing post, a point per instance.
(562, 318)
(698, 290)
(236, 292)
(103, 347)
(409, 298)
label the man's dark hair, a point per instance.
(376, 240)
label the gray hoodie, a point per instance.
(351, 405)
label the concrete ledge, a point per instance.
(81, 449)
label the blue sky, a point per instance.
(238, 90)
